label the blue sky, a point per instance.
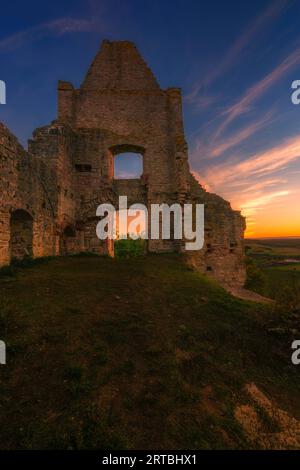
(235, 62)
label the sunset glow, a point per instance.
(241, 126)
(264, 187)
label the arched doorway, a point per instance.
(68, 241)
(21, 235)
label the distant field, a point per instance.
(280, 277)
(275, 257)
(289, 267)
(274, 246)
(293, 242)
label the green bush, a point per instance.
(287, 297)
(129, 248)
(256, 279)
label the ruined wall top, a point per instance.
(119, 65)
(115, 96)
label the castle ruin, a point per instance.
(50, 193)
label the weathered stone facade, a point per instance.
(49, 194)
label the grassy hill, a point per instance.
(278, 259)
(139, 353)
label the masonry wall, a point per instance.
(222, 256)
(120, 105)
(69, 168)
(21, 188)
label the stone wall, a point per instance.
(23, 187)
(222, 256)
(69, 168)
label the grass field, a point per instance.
(277, 260)
(274, 247)
(134, 353)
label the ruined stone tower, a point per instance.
(49, 194)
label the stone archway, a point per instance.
(21, 235)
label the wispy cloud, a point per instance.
(217, 147)
(259, 165)
(243, 104)
(250, 207)
(213, 140)
(256, 186)
(257, 207)
(205, 100)
(256, 200)
(58, 27)
(242, 42)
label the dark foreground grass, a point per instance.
(137, 353)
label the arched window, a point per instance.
(127, 161)
(128, 165)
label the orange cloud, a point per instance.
(258, 165)
(269, 202)
(278, 218)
